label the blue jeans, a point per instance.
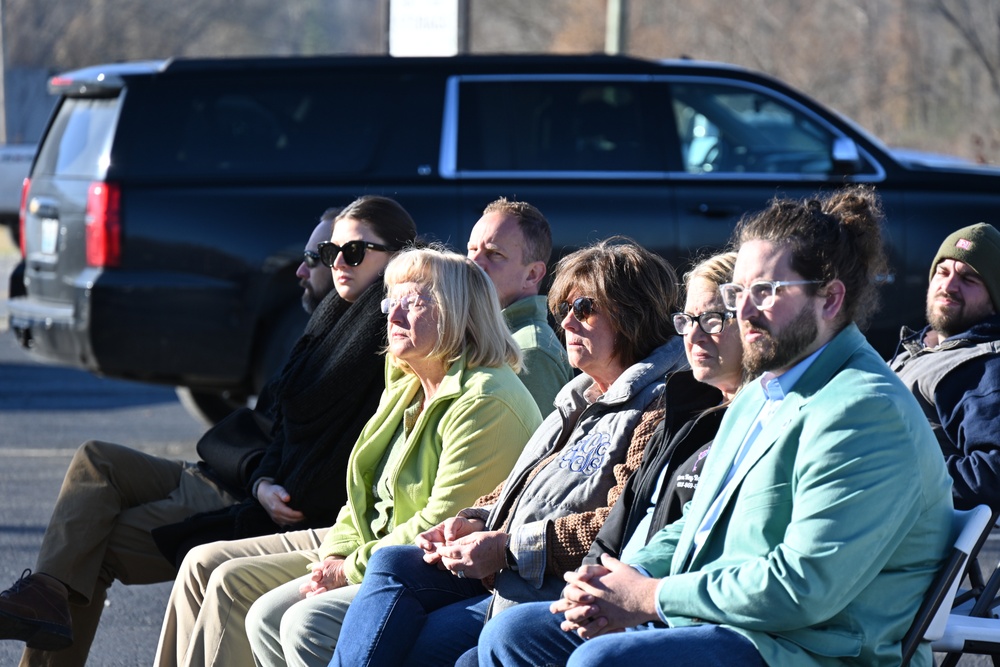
(528, 635)
(410, 613)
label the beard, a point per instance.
(771, 352)
(955, 319)
(309, 298)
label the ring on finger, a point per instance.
(460, 574)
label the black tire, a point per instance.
(14, 230)
(211, 407)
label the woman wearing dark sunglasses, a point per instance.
(127, 515)
(330, 387)
(425, 604)
(346, 258)
(530, 634)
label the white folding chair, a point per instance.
(970, 528)
(973, 627)
(969, 634)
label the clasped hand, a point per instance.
(461, 545)
(326, 575)
(610, 597)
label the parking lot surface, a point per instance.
(45, 413)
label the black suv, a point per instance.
(169, 201)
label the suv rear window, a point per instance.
(79, 141)
(247, 129)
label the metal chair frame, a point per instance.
(971, 528)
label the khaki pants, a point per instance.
(205, 619)
(286, 630)
(111, 497)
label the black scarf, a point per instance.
(325, 394)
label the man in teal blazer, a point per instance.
(824, 509)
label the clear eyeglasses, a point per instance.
(762, 292)
(406, 302)
(711, 322)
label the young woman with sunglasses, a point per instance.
(290, 484)
(450, 424)
(330, 387)
(425, 604)
(114, 498)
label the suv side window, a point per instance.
(79, 141)
(728, 129)
(241, 129)
(569, 124)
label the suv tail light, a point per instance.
(22, 216)
(104, 230)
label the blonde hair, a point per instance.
(469, 317)
(717, 269)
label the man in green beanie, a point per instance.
(952, 366)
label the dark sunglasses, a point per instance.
(354, 251)
(583, 308)
(311, 258)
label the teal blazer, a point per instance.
(825, 550)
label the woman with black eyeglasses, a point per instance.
(426, 604)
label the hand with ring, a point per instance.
(477, 555)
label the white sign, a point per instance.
(423, 27)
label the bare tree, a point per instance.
(923, 73)
(978, 25)
(73, 33)
(527, 26)
(973, 72)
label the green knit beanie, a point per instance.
(979, 247)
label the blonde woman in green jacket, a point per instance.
(449, 427)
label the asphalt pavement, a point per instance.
(45, 413)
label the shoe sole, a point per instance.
(35, 634)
